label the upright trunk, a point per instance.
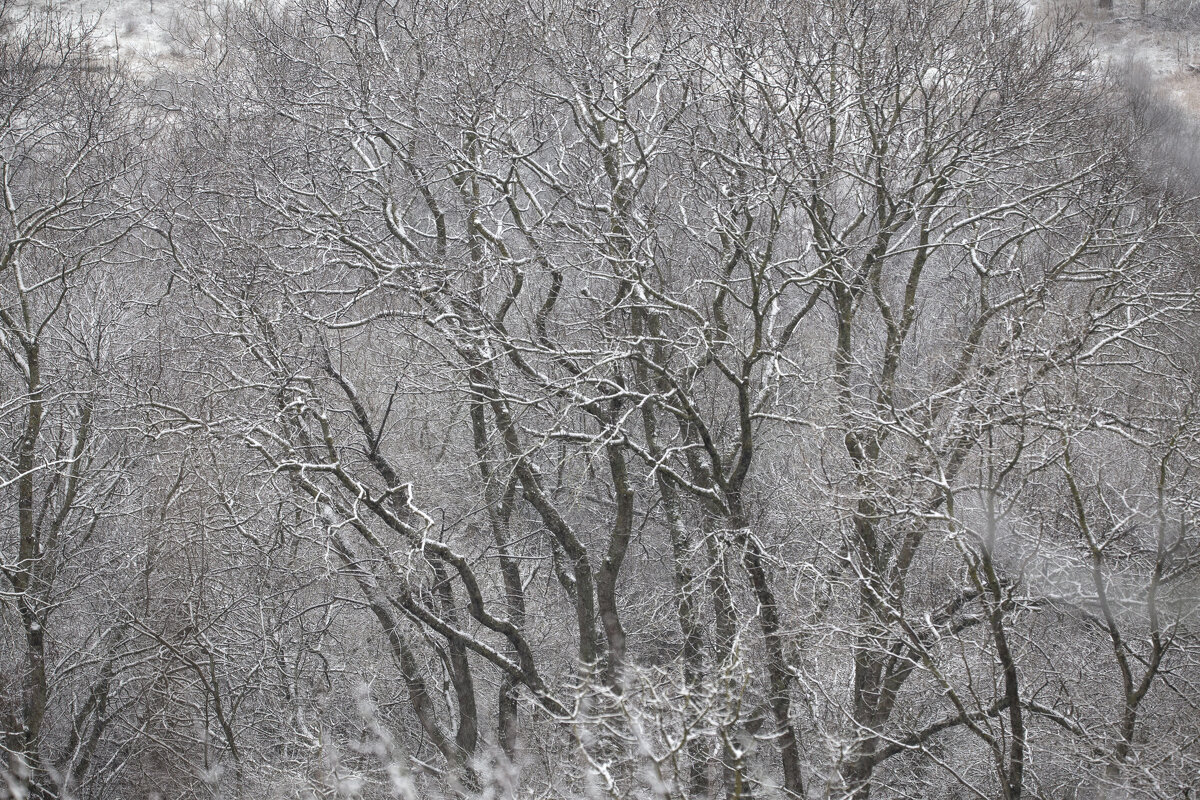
(693, 636)
(868, 649)
(687, 608)
(868, 672)
(1012, 774)
(779, 680)
(610, 568)
(26, 579)
(499, 508)
(467, 733)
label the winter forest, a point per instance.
(640, 399)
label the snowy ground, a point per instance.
(1163, 43)
(138, 29)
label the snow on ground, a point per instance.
(139, 30)
(1159, 40)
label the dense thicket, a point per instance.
(657, 399)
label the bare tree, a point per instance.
(68, 155)
(657, 400)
